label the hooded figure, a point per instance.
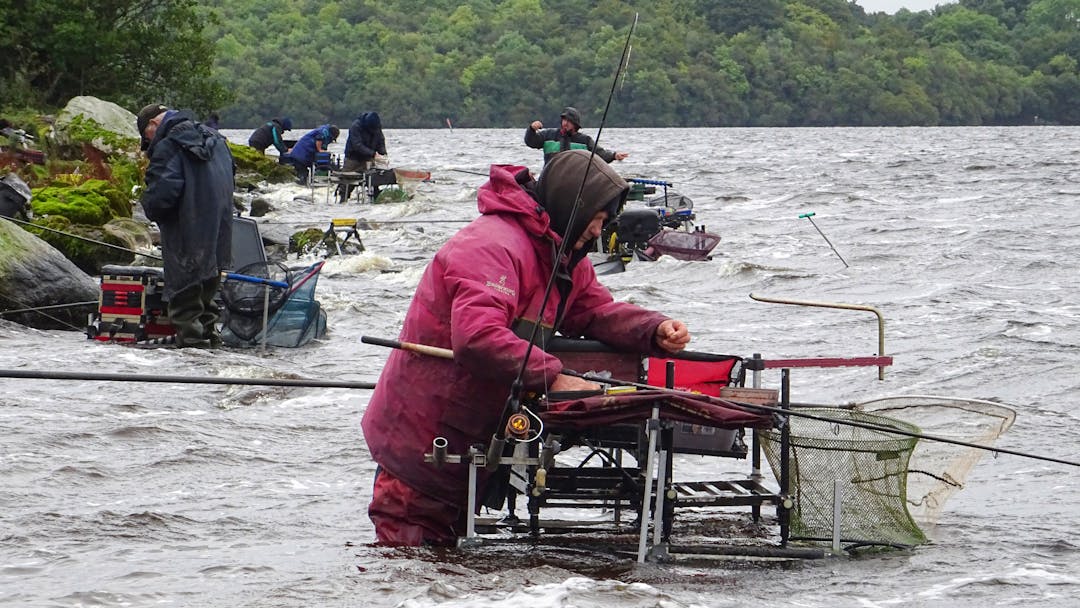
(488, 279)
(365, 145)
(269, 134)
(567, 137)
(189, 194)
(559, 184)
(366, 138)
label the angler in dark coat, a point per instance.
(365, 145)
(271, 133)
(189, 193)
(567, 137)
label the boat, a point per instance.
(665, 226)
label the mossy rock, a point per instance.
(306, 241)
(82, 130)
(88, 256)
(310, 240)
(252, 164)
(93, 202)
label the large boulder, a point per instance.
(84, 114)
(34, 274)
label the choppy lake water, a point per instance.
(136, 494)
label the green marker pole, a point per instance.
(810, 216)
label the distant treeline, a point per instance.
(501, 63)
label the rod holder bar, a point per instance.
(841, 306)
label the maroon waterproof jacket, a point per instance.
(491, 273)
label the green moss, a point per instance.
(305, 241)
(88, 256)
(127, 174)
(250, 162)
(87, 130)
(92, 202)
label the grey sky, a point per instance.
(891, 6)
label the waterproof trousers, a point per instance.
(404, 516)
(194, 315)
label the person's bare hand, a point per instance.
(564, 383)
(672, 335)
(621, 155)
(536, 125)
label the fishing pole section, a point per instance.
(512, 410)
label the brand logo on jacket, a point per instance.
(501, 286)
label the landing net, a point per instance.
(868, 466)
(938, 470)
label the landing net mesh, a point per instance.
(937, 470)
(893, 488)
(869, 466)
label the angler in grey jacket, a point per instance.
(189, 192)
(567, 137)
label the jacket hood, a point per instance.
(370, 121)
(571, 114)
(180, 127)
(511, 190)
(567, 173)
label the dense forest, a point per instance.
(500, 63)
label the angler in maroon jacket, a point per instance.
(488, 279)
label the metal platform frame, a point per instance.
(623, 489)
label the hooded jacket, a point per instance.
(270, 134)
(305, 149)
(487, 276)
(566, 141)
(189, 193)
(365, 138)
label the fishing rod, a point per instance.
(449, 354)
(39, 309)
(853, 423)
(50, 307)
(83, 238)
(513, 401)
(367, 221)
(470, 172)
(112, 377)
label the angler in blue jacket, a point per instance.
(567, 137)
(302, 156)
(189, 194)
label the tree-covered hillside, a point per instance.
(499, 63)
(694, 62)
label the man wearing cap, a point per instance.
(567, 137)
(271, 134)
(482, 291)
(189, 193)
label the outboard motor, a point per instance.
(15, 198)
(634, 227)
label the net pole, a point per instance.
(837, 506)
(266, 314)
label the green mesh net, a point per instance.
(868, 467)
